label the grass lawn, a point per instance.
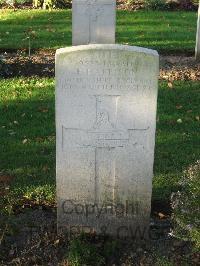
(27, 131)
(168, 32)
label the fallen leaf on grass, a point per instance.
(49, 29)
(179, 121)
(43, 110)
(170, 85)
(24, 141)
(161, 215)
(56, 242)
(178, 107)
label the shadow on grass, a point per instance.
(51, 29)
(28, 140)
(164, 31)
(177, 143)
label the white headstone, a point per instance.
(93, 21)
(197, 50)
(106, 99)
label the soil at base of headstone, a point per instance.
(32, 240)
(42, 64)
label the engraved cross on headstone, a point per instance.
(104, 137)
(92, 10)
(93, 21)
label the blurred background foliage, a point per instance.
(122, 4)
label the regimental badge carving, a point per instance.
(104, 133)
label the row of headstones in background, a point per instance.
(106, 98)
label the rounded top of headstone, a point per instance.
(120, 47)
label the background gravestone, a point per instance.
(197, 50)
(105, 118)
(93, 21)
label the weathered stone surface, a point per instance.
(197, 49)
(93, 21)
(105, 119)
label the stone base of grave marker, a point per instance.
(106, 99)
